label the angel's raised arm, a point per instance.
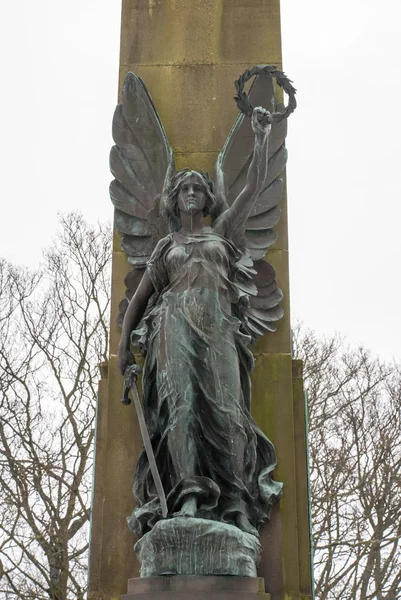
(237, 214)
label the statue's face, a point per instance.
(191, 196)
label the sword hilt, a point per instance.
(126, 399)
(130, 376)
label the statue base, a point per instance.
(190, 546)
(196, 588)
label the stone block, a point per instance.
(173, 44)
(112, 542)
(196, 588)
(200, 31)
(98, 484)
(302, 480)
(120, 268)
(252, 26)
(272, 409)
(198, 161)
(188, 583)
(200, 117)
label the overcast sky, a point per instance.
(59, 68)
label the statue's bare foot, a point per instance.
(245, 525)
(188, 509)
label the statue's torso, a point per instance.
(200, 261)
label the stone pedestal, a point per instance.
(189, 546)
(196, 588)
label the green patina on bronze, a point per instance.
(223, 41)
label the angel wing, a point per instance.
(141, 162)
(257, 275)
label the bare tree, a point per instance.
(355, 461)
(53, 334)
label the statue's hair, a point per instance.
(214, 206)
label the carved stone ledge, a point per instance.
(196, 588)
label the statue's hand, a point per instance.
(261, 120)
(125, 358)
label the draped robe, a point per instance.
(197, 391)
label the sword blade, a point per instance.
(148, 449)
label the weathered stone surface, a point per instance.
(272, 385)
(196, 588)
(204, 161)
(188, 546)
(208, 84)
(188, 583)
(197, 595)
(302, 480)
(200, 31)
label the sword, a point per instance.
(130, 377)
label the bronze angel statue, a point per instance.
(198, 294)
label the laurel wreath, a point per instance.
(282, 80)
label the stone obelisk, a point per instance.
(189, 52)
